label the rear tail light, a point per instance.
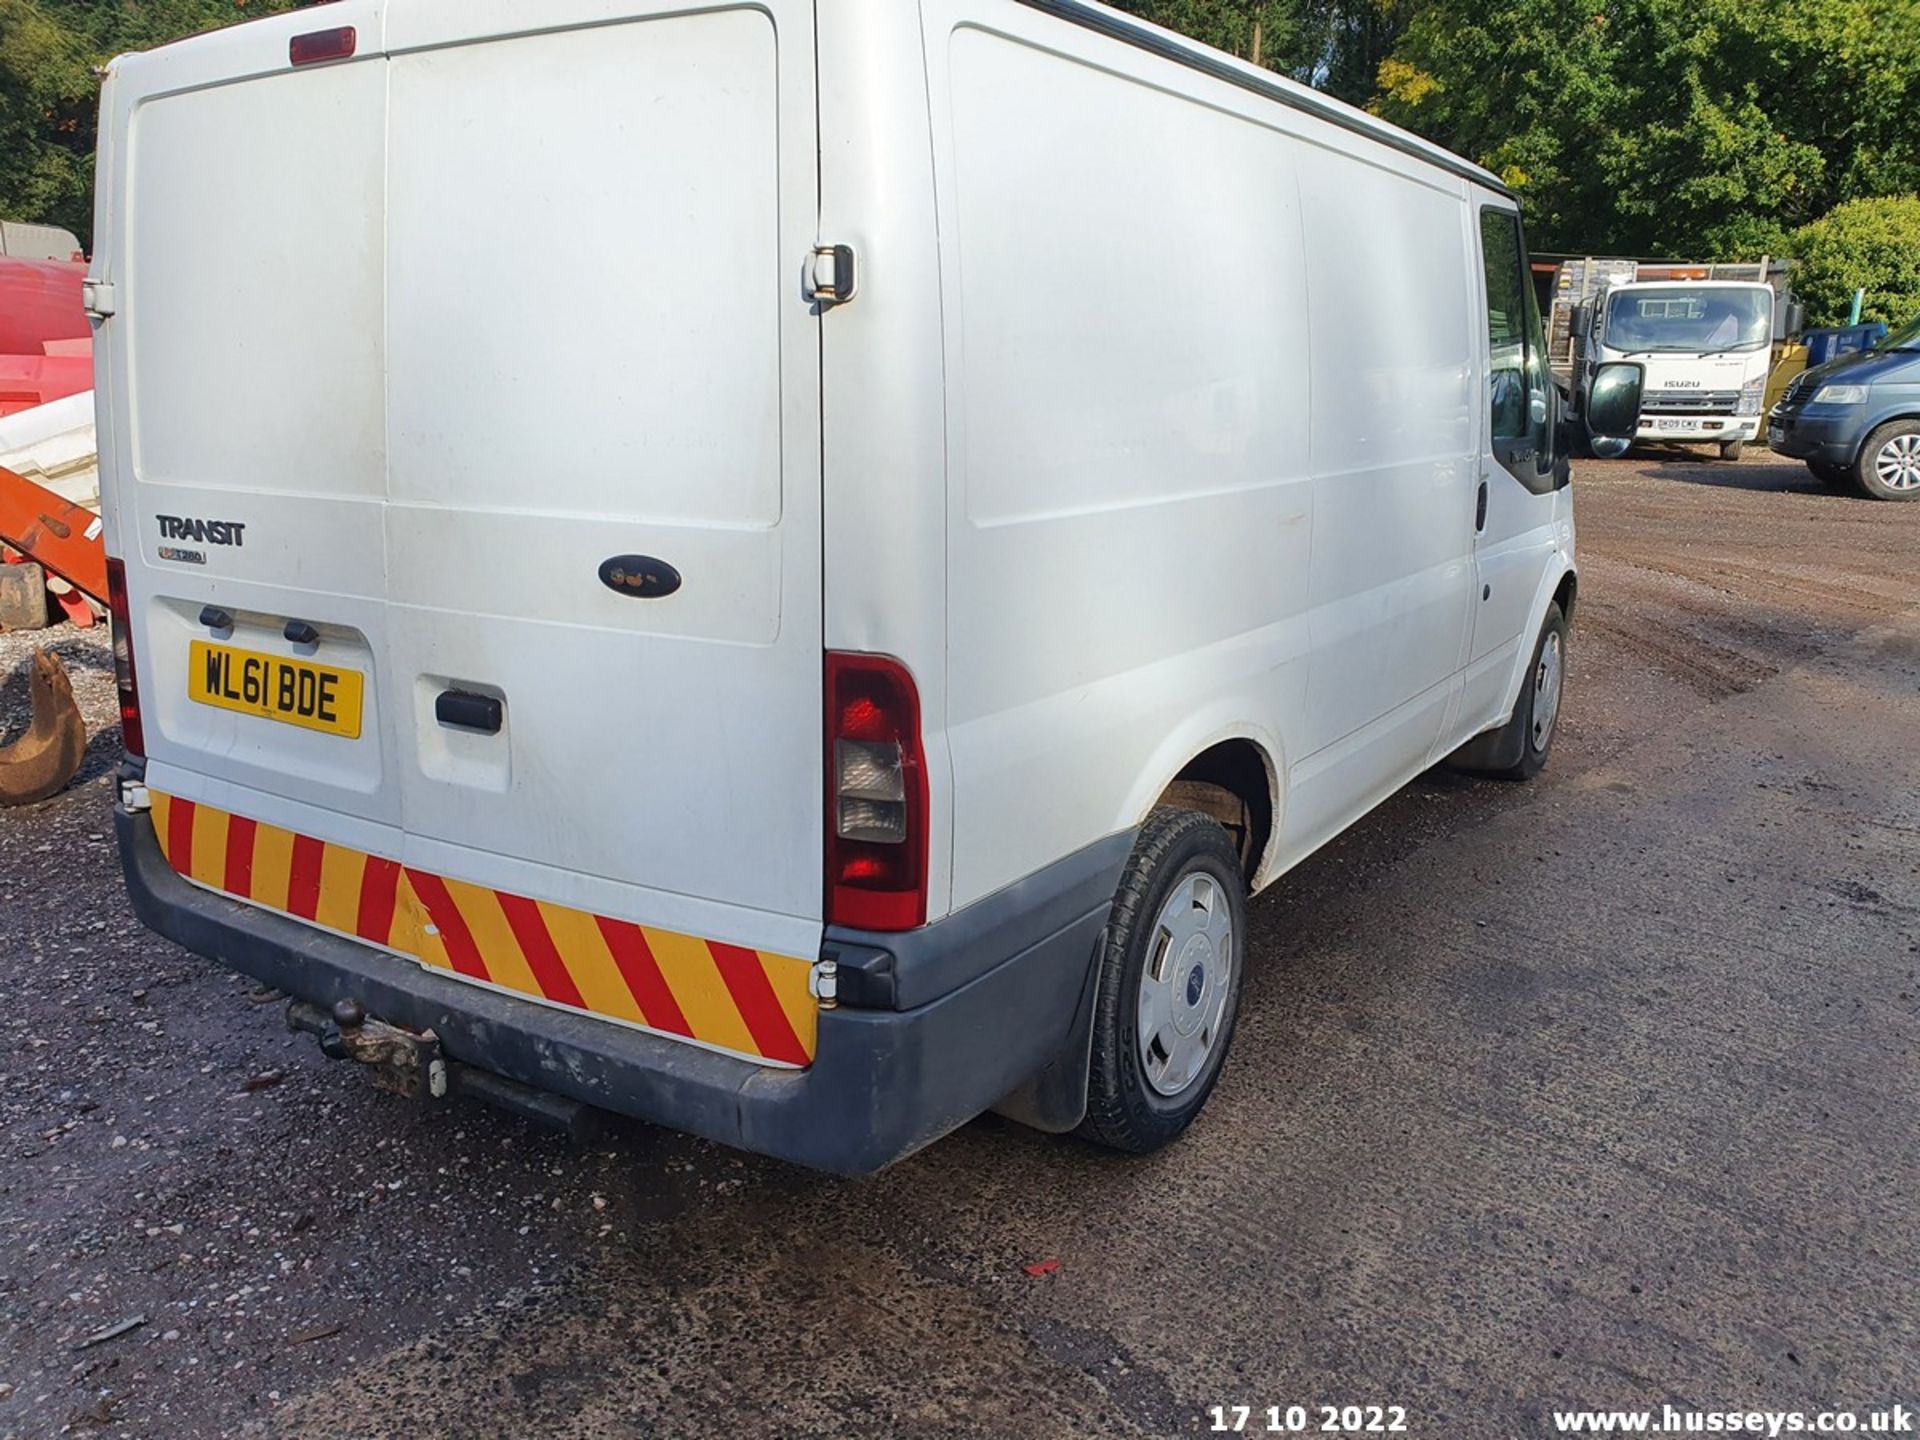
(876, 795)
(131, 735)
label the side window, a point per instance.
(1522, 407)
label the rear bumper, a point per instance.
(883, 1083)
(1828, 439)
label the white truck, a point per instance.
(1006, 484)
(1706, 347)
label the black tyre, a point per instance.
(1171, 968)
(1518, 750)
(1834, 477)
(1889, 463)
(1733, 449)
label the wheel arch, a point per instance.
(1566, 594)
(1879, 422)
(1207, 769)
(1233, 773)
(1559, 585)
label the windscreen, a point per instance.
(1907, 337)
(1699, 319)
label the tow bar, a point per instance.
(411, 1064)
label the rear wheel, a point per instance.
(1834, 477)
(1733, 449)
(1889, 463)
(1170, 980)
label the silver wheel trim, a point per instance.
(1185, 983)
(1548, 675)
(1897, 465)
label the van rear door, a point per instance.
(597, 347)
(487, 337)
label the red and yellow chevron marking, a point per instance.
(751, 1002)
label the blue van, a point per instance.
(1856, 419)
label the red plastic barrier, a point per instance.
(39, 301)
(30, 380)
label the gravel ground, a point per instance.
(1599, 1091)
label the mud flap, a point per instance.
(1054, 1099)
(1492, 749)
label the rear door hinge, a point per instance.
(823, 981)
(830, 275)
(97, 298)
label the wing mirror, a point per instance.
(1613, 407)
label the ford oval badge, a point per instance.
(641, 576)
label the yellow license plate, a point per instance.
(298, 692)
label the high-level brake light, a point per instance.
(320, 45)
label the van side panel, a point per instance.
(1127, 423)
(1390, 281)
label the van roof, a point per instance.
(1138, 33)
(1247, 76)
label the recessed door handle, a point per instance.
(1480, 508)
(467, 711)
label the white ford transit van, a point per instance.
(785, 568)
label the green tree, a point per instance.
(1333, 45)
(1264, 31)
(49, 96)
(46, 160)
(1691, 128)
(1871, 245)
(1521, 86)
(1349, 40)
(1696, 128)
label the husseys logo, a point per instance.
(205, 532)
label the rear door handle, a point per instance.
(467, 711)
(1480, 509)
